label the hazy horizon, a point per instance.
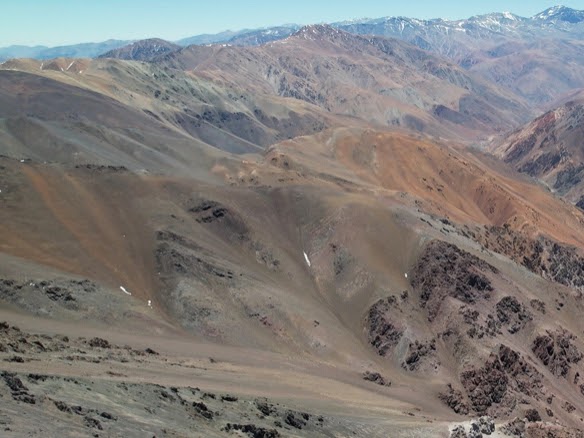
(64, 22)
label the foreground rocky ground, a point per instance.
(62, 385)
(96, 394)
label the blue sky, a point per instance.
(57, 22)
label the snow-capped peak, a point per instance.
(314, 31)
(553, 11)
(548, 13)
(560, 13)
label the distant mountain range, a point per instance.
(142, 50)
(450, 38)
(84, 50)
(322, 65)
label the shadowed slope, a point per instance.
(140, 115)
(549, 148)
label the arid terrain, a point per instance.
(326, 235)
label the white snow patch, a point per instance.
(307, 259)
(42, 65)
(406, 275)
(150, 303)
(70, 65)
(124, 290)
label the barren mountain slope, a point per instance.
(540, 71)
(143, 50)
(139, 115)
(385, 81)
(230, 241)
(303, 254)
(549, 148)
(538, 58)
(450, 182)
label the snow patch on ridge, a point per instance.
(307, 259)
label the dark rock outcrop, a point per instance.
(455, 400)
(503, 374)
(377, 378)
(513, 314)
(444, 270)
(417, 352)
(557, 351)
(458, 432)
(253, 431)
(382, 333)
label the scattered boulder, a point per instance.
(486, 425)
(264, 407)
(210, 212)
(93, 423)
(204, 206)
(568, 407)
(166, 396)
(377, 378)
(99, 343)
(292, 420)
(101, 168)
(514, 428)
(417, 352)
(56, 293)
(532, 415)
(202, 409)
(19, 391)
(455, 400)
(513, 314)
(62, 406)
(458, 432)
(35, 378)
(108, 416)
(252, 430)
(475, 431)
(538, 305)
(181, 260)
